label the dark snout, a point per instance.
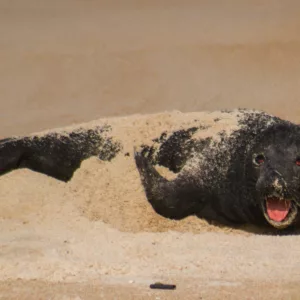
(271, 182)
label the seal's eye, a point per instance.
(298, 161)
(260, 159)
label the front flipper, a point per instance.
(175, 199)
(56, 154)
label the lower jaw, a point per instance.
(288, 221)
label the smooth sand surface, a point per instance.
(96, 237)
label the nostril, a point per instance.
(277, 183)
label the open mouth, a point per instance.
(280, 213)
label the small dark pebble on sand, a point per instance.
(162, 286)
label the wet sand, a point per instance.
(66, 62)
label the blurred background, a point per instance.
(71, 61)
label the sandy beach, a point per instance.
(139, 62)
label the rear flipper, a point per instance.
(56, 154)
(175, 199)
(11, 151)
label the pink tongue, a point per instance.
(277, 209)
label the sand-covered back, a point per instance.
(96, 237)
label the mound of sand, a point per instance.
(112, 191)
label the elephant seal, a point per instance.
(249, 174)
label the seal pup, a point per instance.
(248, 174)
(251, 175)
